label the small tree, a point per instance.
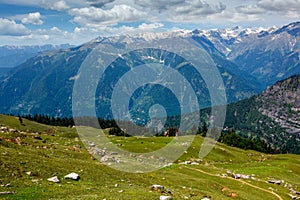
(20, 120)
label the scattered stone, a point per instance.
(236, 176)
(54, 179)
(116, 185)
(168, 165)
(164, 197)
(6, 185)
(108, 158)
(92, 145)
(293, 197)
(5, 193)
(205, 198)
(157, 187)
(37, 138)
(72, 176)
(28, 173)
(277, 182)
(120, 191)
(185, 163)
(169, 191)
(241, 176)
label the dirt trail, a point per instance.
(239, 180)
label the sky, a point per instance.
(37, 22)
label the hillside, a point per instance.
(272, 115)
(12, 56)
(31, 153)
(44, 84)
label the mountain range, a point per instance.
(12, 56)
(249, 60)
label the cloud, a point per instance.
(194, 11)
(58, 5)
(280, 5)
(158, 4)
(10, 27)
(99, 3)
(33, 18)
(250, 9)
(284, 8)
(98, 17)
(152, 26)
(179, 10)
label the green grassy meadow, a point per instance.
(47, 151)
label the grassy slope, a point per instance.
(58, 158)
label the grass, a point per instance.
(48, 151)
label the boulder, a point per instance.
(157, 187)
(72, 176)
(54, 179)
(165, 197)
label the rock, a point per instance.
(277, 182)
(28, 173)
(108, 158)
(157, 187)
(185, 163)
(12, 130)
(168, 165)
(236, 176)
(72, 176)
(293, 197)
(245, 176)
(92, 145)
(54, 179)
(271, 181)
(116, 185)
(165, 197)
(169, 191)
(5, 193)
(205, 198)
(37, 138)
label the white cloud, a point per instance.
(98, 17)
(58, 5)
(33, 18)
(10, 27)
(159, 5)
(99, 3)
(280, 5)
(180, 10)
(151, 26)
(283, 8)
(250, 9)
